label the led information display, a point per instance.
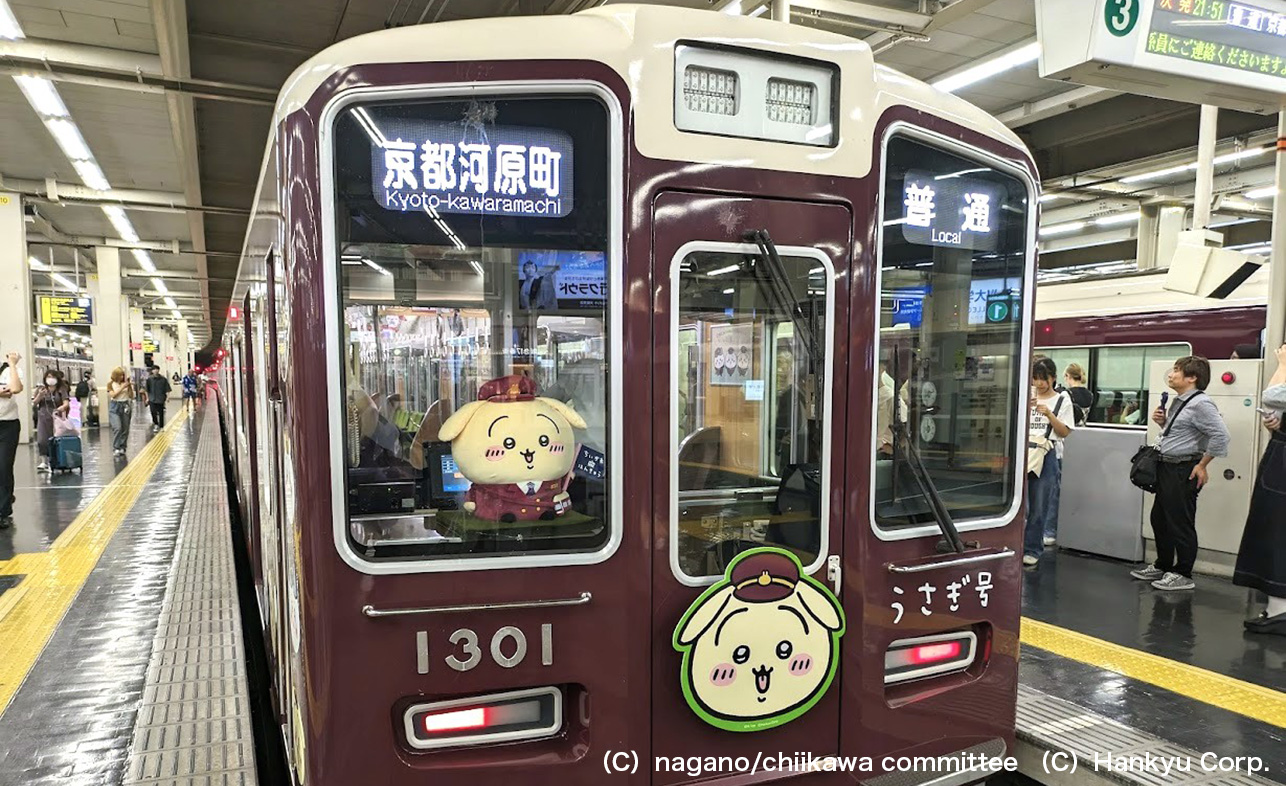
(443, 168)
(57, 310)
(950, 211)
(1234, 35)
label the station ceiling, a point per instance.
(174, 99)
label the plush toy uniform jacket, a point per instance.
(495, 500)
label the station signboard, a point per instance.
(66, 310)
(1218, 52)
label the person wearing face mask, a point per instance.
(53, 398)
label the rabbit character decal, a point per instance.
(517, 449)
(761, 646)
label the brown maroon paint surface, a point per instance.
(359, 674)
(1213, 333)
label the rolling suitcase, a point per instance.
(65, 453)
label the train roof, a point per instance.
(634, 39)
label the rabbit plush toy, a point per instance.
(517, 450)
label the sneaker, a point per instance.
(1150, 573)
(42, 467)
(1049, 541)
(1030, 559)
(1174, 581)
(7, 521)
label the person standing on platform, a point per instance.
(189, 391)
(1193, 435)
(50, 399)
(10, 430)
(1261, 561)
(1082, 397)
(1050, 423)
(155, 391)
(120, 408)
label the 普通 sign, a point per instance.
(952, 211)
(58, 310)
(448, 168)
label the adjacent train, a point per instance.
(559, 397)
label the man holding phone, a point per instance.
(10, 430)
(1193, 435)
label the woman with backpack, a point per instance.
(1050, 422)
(1081, 396)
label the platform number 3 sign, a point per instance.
(1121, 16)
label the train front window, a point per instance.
(749, 404)
(475, 298)
(952, 297)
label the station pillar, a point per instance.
(17, 326)
(185, 361)
(1277, 264)
(136, 337)
(107, 329)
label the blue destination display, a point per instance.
(908, 305)
(440, 168)
(950, 210)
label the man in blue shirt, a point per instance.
(189, 390)
(1193, 435)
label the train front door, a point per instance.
(751, 315)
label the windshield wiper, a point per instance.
(779, 284)
(928, 489)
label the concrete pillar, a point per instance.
(16, 323)
(125, 337)
(185, 362)
(108, 328)
(1207, 138)
(1276, 333)
(136, 336)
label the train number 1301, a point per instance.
(508, 648)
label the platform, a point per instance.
(122, 660)
(121, 655)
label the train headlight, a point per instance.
(755, 95)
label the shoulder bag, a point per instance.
(1144, 464)
(1037, 449)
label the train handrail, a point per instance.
(580, 600)
(1004, 553)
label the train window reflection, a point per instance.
(752, 340)
(951, 308)
(475, 337)
(1117, 376)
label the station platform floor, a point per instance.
(122, 660)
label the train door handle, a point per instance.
(833, 573)
(973, 559)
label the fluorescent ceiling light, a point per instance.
(176, 315)
(169, 303)
(1265, 248)
(42, 95)
(1226, 158)
(733, 8)
(729, 290)
(721, 271)
(36, 264)
(760, 11)
(1062, 229)
(66, 282)
(92, 175)
(144, 260)
(377, 268)
(1051, 197)
(989, 68)
(9, 27)
(1120, 218)
(68, 137)
(159, 285)
(368, 125)
(1261, 193)
(120, 221)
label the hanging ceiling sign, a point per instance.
(950, 210)
(1218, 52)
(59, 310)
(443, 168)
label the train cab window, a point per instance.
(475, 299)
(955, 245)
(749, 457)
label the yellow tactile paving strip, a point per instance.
(30, 612)
(1208, 687)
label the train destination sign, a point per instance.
(70, 310)
(1233, 35)
(950, 210)
(442, 168)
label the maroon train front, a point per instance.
(560, 399)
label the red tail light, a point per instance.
(934, 653)
(456, 721)
(928, 656)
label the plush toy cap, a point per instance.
(514, 387)
(763, 578)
